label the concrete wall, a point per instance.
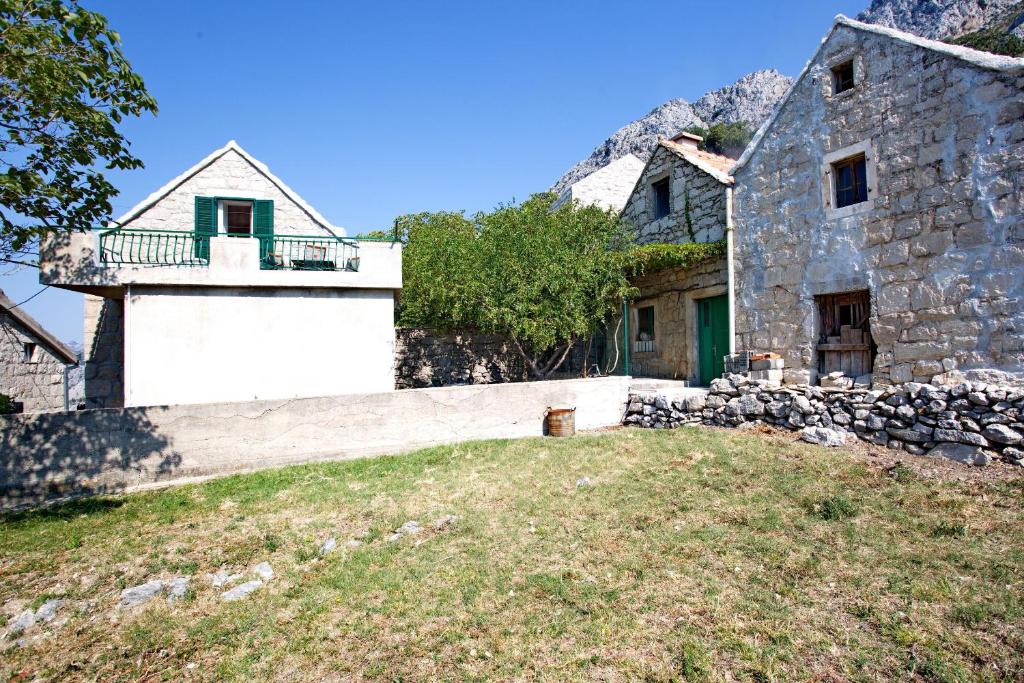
(204, 345)
(37, 382)
(427, 358)
(692, 191)
(940, 245)
(230, 175)
(47, 455)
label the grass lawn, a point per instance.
(695, 554)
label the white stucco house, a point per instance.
(225, 285)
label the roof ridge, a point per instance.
(44, 335)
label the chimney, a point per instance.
(688, 140)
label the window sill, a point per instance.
(851, 210)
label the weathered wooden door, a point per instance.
(712, 336)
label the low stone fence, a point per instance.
(970, 422)
(49, 455)
(427, 358)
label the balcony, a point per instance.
(105, 261)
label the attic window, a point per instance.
(662, 203)
(238, 218)
(850, 181)
(30, 352)
(842, 77)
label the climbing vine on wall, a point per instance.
(650, 258)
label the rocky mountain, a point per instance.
(749, 99)
(937, 19)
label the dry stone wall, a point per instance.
(697, 207)
(36, 382)
(104, 352)
(940, 244)
(426, 358)
(971, 422)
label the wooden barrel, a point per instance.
(561, 421)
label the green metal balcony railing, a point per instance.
(151, 247)
(137, 246)
(308, 252)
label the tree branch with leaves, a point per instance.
(65, 87)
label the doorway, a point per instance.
(712, 336)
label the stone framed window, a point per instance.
(843, 77)
(661, 197)
(644, 329)
(849, 180)
(30, 352)
(237, 217)
(844, 333)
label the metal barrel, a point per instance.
(561, 421)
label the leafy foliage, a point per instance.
(543, 277)
(7, 405)
(996, 38)
(727, 139)
(650, 258)
(65, 86)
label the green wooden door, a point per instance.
(712, 336)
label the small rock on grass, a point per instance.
(136, 595)
(354, 543)
(410, 528)
(327, 546)
(240, 591)
(176, 588)
(823, 436)
(48, 610)
(223, 577)
(444, 521)
(582, 482)
(22, 622)
(264, 571)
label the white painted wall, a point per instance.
(205, 345)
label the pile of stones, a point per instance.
(971, 422)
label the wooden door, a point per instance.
(712, 336)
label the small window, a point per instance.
(662, 205)
(238, 218)
(29, 352)
(842, 77)
(850, 178)
(645, 323)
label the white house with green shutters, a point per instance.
(225, 285)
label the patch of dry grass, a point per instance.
(693, 555)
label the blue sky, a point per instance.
(372, 110)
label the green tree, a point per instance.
(727, 139)
(65, 86)
(544, 278)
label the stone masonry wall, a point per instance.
(970, 422)
(691, 190)
(228, 176)
(940, 243)
(673, 293)
(425, 358)
(38, 383)
(103, 342)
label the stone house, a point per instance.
(679, 325)
(608, 187)
(877, 213)
(33, 363)
(225, 285)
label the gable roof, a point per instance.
(715, 165)
(38, 331)
(983, 60)
(231, 146)
(609, 186)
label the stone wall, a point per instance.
(608, 187)
(103, 343)
(48, 455)
(230, 175)
(968, 422)
(673, 293)
(37, 382)
(426, 358)
(692, 192)
(940, 243)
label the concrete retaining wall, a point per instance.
(50, 455)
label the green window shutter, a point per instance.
(206, 225)
(263, 216)
(263, 227)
